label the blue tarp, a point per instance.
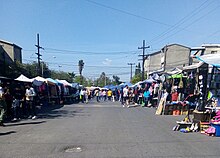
(128, 84)
(111, 86)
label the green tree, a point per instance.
(102, 80)
(63, 75)
(116, 80)
(84, 80)
(137, 78)
(46, 72)
(138, 69)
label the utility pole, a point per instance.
(143, 57)
(131, 70)
(38, 54)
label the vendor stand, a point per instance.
(47, 90)
(207, 77)
(53, 90)
(66, 93)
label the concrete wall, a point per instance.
(11, 52)
(17, 54)
(176, 56)
(154, 62)
(212, 50)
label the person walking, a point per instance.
(97, 95)
(8, 100)
(30, 94)
(117, 93)
(121, 96)
(146, 97)
(140, 96)
(126, 97)
(109, 93)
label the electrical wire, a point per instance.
(182, 21)
(127, 13)
(201, 17)
(88, 52)
(91, 66)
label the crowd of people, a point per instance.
(144, 94)
(17, 103)
(20, 102)
(141, 95)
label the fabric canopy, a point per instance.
(126, 84)
(41, 79)
(38, 78)
(23, 79)
(194, 66)
(211, 59)
(50, 80)
(65, 83)
(137, 84)
(150, 80)
(174, 71)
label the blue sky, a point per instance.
(105, 34)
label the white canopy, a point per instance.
(65, 83)
(23, 78)
(38, 80)
(174, 71)
(194, 66)
(212, 59)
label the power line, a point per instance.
(80, 52)
(91, 66)
(128, 13)
(183, 20)
(89, 52)
(213, 34)
(201, 17)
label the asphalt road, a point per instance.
(102, 130)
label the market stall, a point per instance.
(53, 90)
(46, 90)
(67, 90)
(207, 114)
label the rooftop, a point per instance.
(6, 42)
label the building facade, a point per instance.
(169, 57)
(9, 54)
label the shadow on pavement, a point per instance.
(7, 133)
(24, 123)
(56, 111)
